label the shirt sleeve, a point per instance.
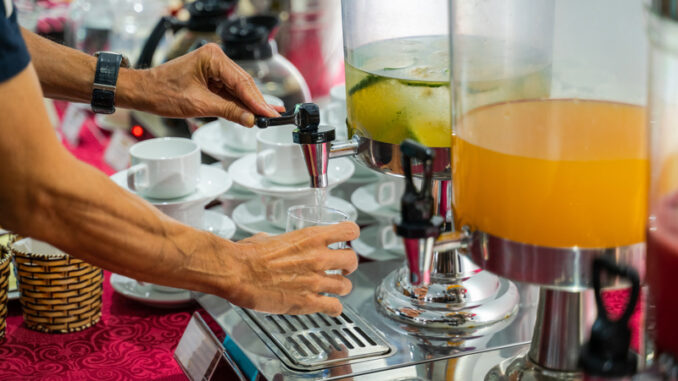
(13, 53)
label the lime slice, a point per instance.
(430, 132)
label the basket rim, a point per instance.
(43, 246)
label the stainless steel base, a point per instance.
(566, 269)
(419, 353)
(521, 368)
(466, 302)
(386, 158)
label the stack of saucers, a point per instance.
(381, 201)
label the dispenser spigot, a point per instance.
(316, 141)
(417, 225)
(607, 355)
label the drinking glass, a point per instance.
(662, 236)
(549, 154)
(303, 216)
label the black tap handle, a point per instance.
(607, 353)
(417, 205)
(413, 150)
(306, 116)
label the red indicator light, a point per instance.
(137, 131)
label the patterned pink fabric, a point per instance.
(132, 342)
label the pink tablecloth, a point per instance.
(131, 342)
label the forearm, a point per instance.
(120, 231)
(49, 195)
(68, 74)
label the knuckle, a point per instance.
(212, 49)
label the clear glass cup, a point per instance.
(662, 236)
(303, 216)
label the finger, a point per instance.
(241, 85)
(331, 259)
(342, 232)
(229, 109)
(328, 305)
(335, 284)
(314, 303)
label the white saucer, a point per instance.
(364, 199)
(244, 173)
(146, 294)
(250, 217)
(213, 182)
(211, 141)
(219, 224)
(367, 246)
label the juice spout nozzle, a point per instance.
(315, 140)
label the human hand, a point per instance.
(204, 82)
(285, 274)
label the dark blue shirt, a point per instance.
(13, 53)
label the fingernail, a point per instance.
(247, 118)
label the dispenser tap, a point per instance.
(317, 142)
(420, 229)
(417, 226)
(607, 355)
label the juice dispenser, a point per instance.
(553, 175)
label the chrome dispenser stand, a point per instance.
(566, 309)
(458, 294)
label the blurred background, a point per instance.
(292, 48)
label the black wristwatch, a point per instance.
(105, 80)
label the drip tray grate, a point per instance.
(317, 341)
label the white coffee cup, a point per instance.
(241, 138)
(279, 159)
(164, 168)
(389, 192)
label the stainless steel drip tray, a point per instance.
(408, 346)
(314, 342)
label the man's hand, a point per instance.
(286, 273)
(204, 82)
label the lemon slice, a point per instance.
(430, 132)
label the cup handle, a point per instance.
(386, 193)
(388, 238)
(131, 174)
(263, 159)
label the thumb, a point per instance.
(229, 109)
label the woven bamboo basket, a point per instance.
(5, 260)
(58, 293)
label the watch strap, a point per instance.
(105, 79)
